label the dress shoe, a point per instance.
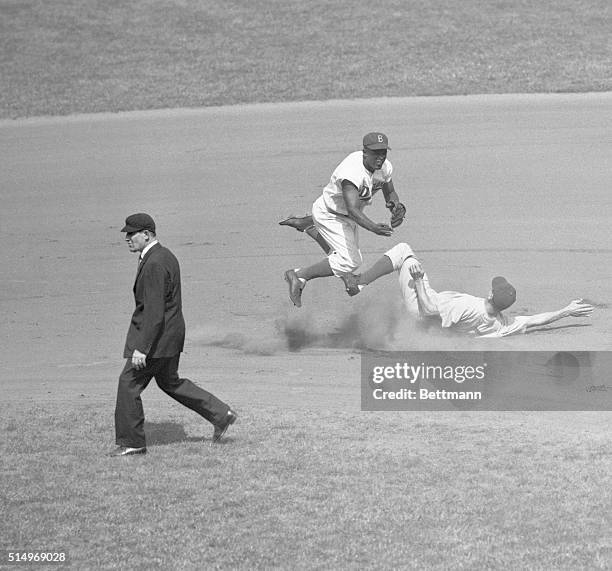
(221, 429)
(296, 285)
(127, 451)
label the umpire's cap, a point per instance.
(137, 222)
(376, 142)
(504, 294)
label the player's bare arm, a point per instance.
(351, 198)
(427, 305)
(389, 192)
(414, 267)
(576, 308)
(392, 201)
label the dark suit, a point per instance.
(157, 329)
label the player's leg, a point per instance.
(381, 267)
(389, 262)
(354, 283)
(393, 260)
(306, 224)
(314, 234)
(300, 223)
(298, 278)
(341, 235)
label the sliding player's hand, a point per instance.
(579, 308)
(414, 267)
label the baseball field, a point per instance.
(498, 184)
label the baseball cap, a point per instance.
(137, 222)
(376, 142)
(504, 294)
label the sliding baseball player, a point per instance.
(455, 311)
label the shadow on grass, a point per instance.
(160, 433)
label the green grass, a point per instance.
(65, 56)
(309, 489)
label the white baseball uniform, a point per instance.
(459, 312)
(330, 215)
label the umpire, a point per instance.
(154, 343)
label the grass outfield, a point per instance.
(69, 56)
(310, 489)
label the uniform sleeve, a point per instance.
(387, 171)
(514, 326)
(347, 171)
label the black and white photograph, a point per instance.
(306, 285)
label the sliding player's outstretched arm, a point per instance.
(576, 308)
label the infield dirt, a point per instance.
(510, 185)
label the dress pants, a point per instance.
(129, 414)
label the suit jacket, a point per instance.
(157, 328)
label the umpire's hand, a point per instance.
(139, 360)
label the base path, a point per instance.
(511, 185)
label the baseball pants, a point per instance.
(129, 414)
(341, 233)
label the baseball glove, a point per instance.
(398, 213)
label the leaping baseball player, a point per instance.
(455, 311)
(338, 213)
